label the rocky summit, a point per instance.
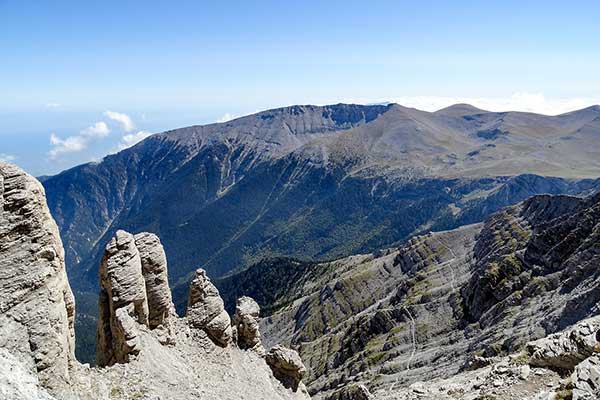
(144, 350)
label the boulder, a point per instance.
(206, 310)
(286, 365)
(246, 322)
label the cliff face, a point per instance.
(440, 303)
(37, 308)
(144, 349)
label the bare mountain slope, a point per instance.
(315, 183)
(424, 310)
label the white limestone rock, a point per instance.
(287, 366)
(37, 307)
(586, 379)
(246, 321)
(206, 310)
(564, 350)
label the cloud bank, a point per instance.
(521, 101)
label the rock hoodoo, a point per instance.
(134, 293)
(37, 308)
(206, 309)
(144, 350)
(246, 322)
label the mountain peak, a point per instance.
(460, 109)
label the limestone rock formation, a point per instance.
(286, 366)
(246, 322)
(36, 303)
(154, 269)
(206, 311)
(134, 293)
(586, 379)
(37, 310)
(566, 349)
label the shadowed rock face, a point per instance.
(37, 308)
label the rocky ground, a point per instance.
(398, 316)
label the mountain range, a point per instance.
(315, 183)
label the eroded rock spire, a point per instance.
(134, 294)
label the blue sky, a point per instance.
(163, 65)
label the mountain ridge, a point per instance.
(314, 182)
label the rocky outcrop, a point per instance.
(36, 303)
(586, 379)
(134, 294)
(286, 365)
(246, 322)
(566, 349)
(144, 350)
(206, 310)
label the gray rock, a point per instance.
(122, 302)
(206, 310)
(37, 308)
(586, 379)
(564, 350)
(134, 294)
(287, 366)
(246, 321)
(154, 269)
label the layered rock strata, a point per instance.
(134, 294)
(206, 310)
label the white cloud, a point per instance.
(53, 105)
(72, 144)
(8, 158)
(99, 129)
(521, 101)
(77, 143)
(132, 138)
(123, 119)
